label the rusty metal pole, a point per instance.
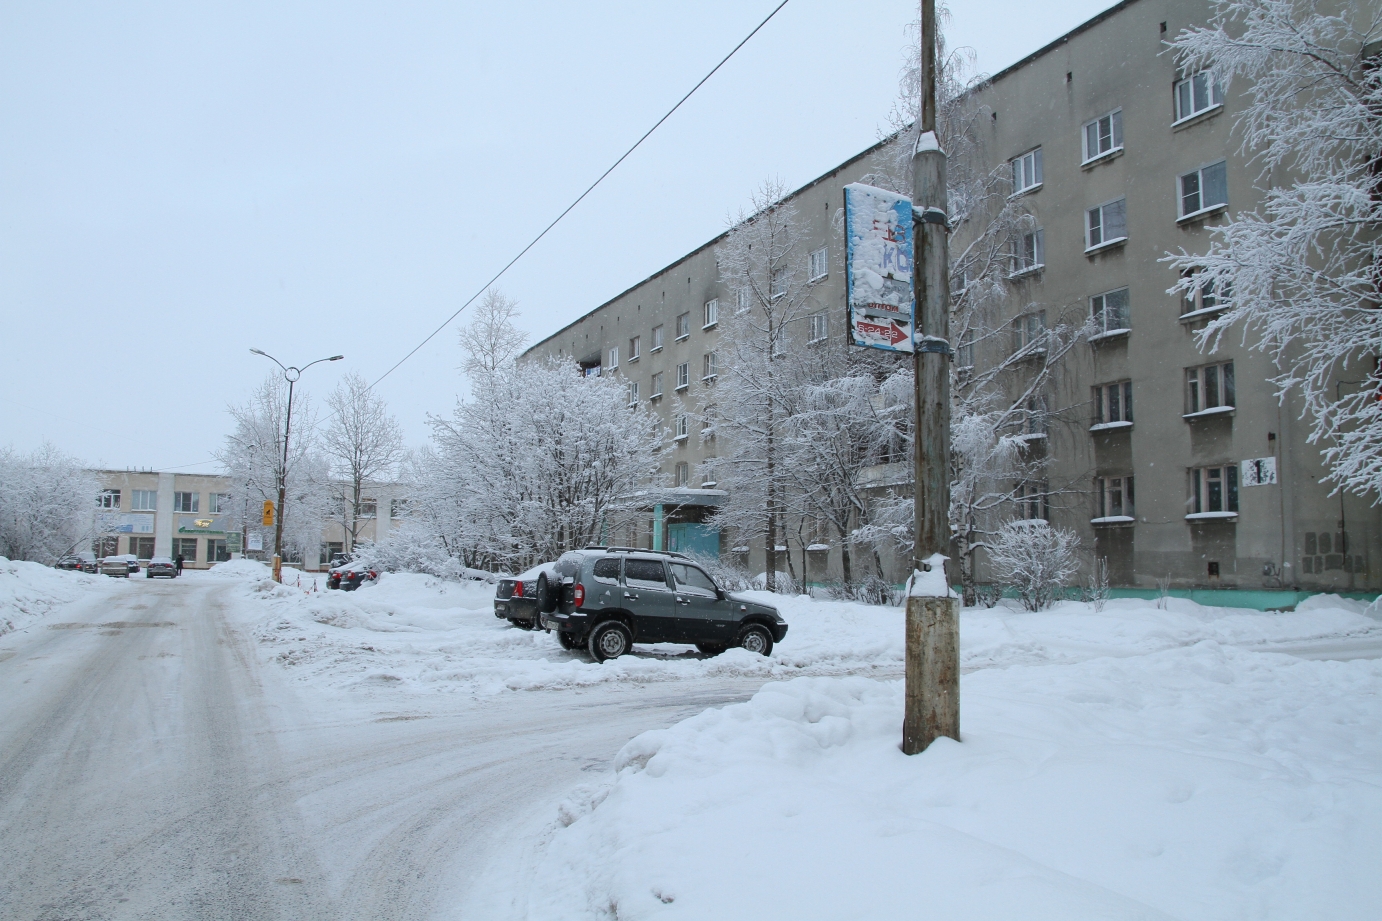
(933, 622)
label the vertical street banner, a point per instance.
(878, 268)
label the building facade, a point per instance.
(1177, 465)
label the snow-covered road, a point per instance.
(150, 768)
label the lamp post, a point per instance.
(291, 374)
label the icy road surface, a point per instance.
(150, 768)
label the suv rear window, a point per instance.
(644, 574)
(607, 570)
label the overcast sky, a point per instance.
(182, 182)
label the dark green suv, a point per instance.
(613, 597)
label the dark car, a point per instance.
(521, 599)
(349, 576)
(161, 566)
(71, 562)
(133, 562)
(91, 565)
(612, 597)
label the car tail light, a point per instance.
(517, 590)
(373, 574)
(580, 594)
(351, 574)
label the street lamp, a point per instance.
(291, 374)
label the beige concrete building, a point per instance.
(1169, 462)
(149, 513)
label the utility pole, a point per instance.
(933, 619)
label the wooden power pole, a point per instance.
(933, 620)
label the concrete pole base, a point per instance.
(932, 672)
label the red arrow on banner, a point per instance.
(890, 333)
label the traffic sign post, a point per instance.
(268, 513)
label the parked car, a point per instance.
(161, 566)
(133, 562)
(349, 577)
(338, 559)
(70, 562)
(116, 566)
(521, 599)
(91, 565)
(612, 597)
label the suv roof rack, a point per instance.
(637, 550)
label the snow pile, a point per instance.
(29, 590)
(239, 569)
(1204, 782)
(421, 633)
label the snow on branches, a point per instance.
(47, 504)
(1299, 275)
(1034, 559)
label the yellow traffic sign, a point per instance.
(268, 512)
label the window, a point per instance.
(681, 426)
(633, 393)
(743, 298)
(683, 375)
(819, 264)
(1110, 311)
(683, 474)
(1214, 490)
(613, 358)
(106, 546)
(1204, 189)
(657, 386)
(1027, 171)
(1032, 501)
(1035, 419)
(1198, 94)
(684, 325)
(185, 547)
(109, 498)
(692, 581)
(142, 547)
(218, 503)
(186, 501)
(143, 500)
(1028, 253)
(633, 348)
(216, 551)
(708, 366)
(644, 574)
(369, 508)
(1209, 389)
(964, 352)
(1104, 135)
(1029, 331)
(1115, 497)
(777, 284)
(606, 570)
(657, 337)
(818, 327)
(400, 508)
(1202, 298)
(1113, 403)
(711, 313)
(1106, 224)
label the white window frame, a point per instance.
(657, 338)
(1201, 503)
(818, 264)
(1201, 187)
(1115, 120)
(779, 280)
(1033, 497)
(635, 347)
(1214, 96)
(1111, 510)
(613, 358)
(1100, 313)
(143, 500)
(681, 428)
(1026, 171)
(683, 325)
(655, 392)
(964, 350)
(1196, 390)
(820, 327)
(683, 474)
(1194, 303)
(743, 298)
(196, 503)
(683, 375)
(1025, 332)
(217, 503)
(709, 366)
(108, 498)
(1112, 406)
(710, 312)
(633, 393)
(1019, 265)
(1104, 241)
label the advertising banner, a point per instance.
(878, 268)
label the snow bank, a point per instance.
(1204, 782)
(419, 633)
(29, 590)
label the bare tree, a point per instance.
(491, 340)
(1300, 275)
(364, 443)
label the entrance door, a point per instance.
(648, 594)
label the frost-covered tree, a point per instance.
(491, 340)
(1299, 275)
(1035, 560)
(364, 443)
(47, 504)
(252, 457)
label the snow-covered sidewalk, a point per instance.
(1195, 782)
(29, 591)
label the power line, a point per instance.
(581, 197)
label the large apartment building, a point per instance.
(1178, 466)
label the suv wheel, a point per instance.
(711, 649)
(546, 597)
(610, 640)
(756, 639)
(567, 640)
